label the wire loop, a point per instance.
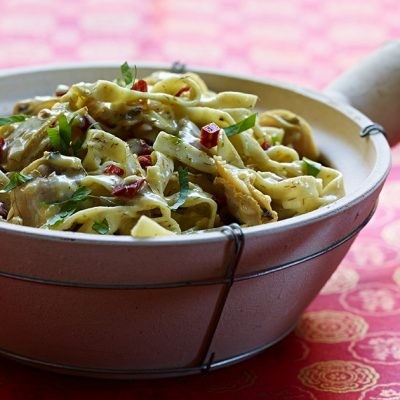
(372, 129)
(178, 67)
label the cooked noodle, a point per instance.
(105, 158)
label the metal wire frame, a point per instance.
(235, 234)
(372, 129)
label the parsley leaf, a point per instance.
(128, 75)
(241, 126)
(101, 227)
(59, 217)
(312, 167)
(69, 206)
(183, 187)
(81, 194)
(12, 119)
(16, 179)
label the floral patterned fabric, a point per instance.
(347, 343)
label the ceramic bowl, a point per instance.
(119, 307)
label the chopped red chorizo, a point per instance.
(129, 189)
(113, 169)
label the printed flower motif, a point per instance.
(396, 276)
(391, 232)
(338, 376)
(372, 299)
(369, 254)
(389, 195)
(331, 326)
(388, 391)
(390, 394)
(377, 299)
(341, 281)
(381, 347)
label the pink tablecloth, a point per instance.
(347, 344)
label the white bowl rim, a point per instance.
(374, 180)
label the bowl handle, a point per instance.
(373, 87)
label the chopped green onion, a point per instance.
(65, 129)
(76, 146)
(183, 187)
(55, 139)
(16, 179)
(241, 126)
(312, 167)
(101, 227)
(60, 136)
(12, 119)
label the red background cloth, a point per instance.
(347, 343)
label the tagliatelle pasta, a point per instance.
(157, 156)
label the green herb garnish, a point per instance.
(55, 138)
(65, 129)
(241, 126)
(128, 75)
(80, 194)
(59, 217)
(312, 167)
(60, 136)
(16, 179)
(101, 227)
(69, 206)
(183, 176)
(12, 119)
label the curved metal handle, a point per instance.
(373, 87)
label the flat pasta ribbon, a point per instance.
(107, 158)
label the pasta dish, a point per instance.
(156, 156)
